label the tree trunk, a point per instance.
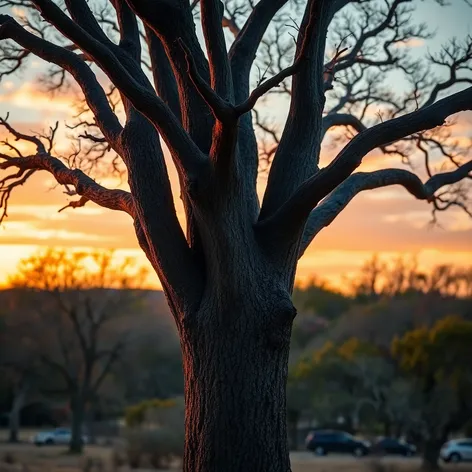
(387, 427)
(431, 455)
(235, 367)
(78, 416)
(90, 420)
(14, 418)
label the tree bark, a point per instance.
(431, 450)
(14, 418)
(78, 417)
(235, 379)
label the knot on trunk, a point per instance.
(279, 328)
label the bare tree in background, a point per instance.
(73, 303)
(229, 279)
(18, 361)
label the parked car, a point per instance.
(56, 436)
(327, 441)
(387, 445)
(457, 450)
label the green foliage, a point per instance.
(443, 351)
(339, 379)
(320, 299)
(330, 355)
(437, 359)
(135, 415)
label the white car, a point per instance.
(57, 436)
(457, 450)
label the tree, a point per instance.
(438, 360)
(321, 299)
(75, 301)
(402, 279)
(229, 279)
(18, 361)
(343, 381)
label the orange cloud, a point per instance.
(410, 43)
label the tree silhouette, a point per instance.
(71, 304)
(229, 279)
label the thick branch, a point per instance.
(82, 14)
(186, 154)
(323, 215)
(84, 185)
(220, 73)
(163, 75)
(342, 119)
(243, 51)
(222, 110)
(293, 214)
(172, 22)
(130, 39)
(93, 92)
(297, 156)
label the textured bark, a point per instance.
(235, 377)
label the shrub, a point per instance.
(159, 438)
(158, 447)
(135, 415)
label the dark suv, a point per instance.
(324, 442)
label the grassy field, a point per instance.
(28, 458)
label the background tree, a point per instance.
(18, 365)
(229, 279)
(73, 300)
(438, 360)
(18, 361)
(343, 381)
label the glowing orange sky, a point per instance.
(387, 221)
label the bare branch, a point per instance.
(292, 216)
(43, 160)
(221, 109)
(93, 92)
(187, 156)
(296, 159)
(164, 78)
(342, 119)
(323, 215)
(243, 50)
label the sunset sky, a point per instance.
(387, 221)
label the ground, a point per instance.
(56, 459)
